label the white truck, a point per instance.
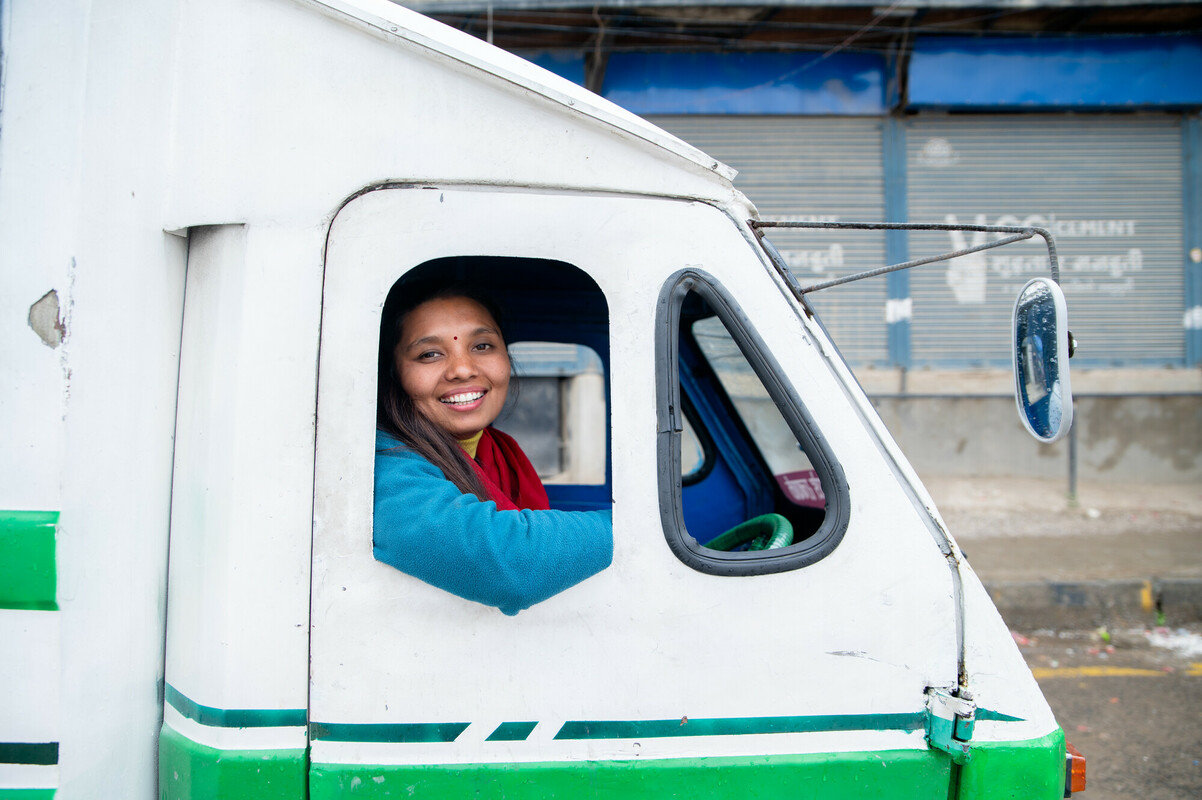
(204, 206)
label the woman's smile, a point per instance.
(462, 400)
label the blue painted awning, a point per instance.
(747, 83)
(1060, 72)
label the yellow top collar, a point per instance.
(469, 444)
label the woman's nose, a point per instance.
(461, 365)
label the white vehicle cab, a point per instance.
(192, 596)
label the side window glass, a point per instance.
(557, 403)
(785, 458)
(693, 456)
(759, 490)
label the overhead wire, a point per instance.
(878, 37)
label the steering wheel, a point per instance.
(765, 532)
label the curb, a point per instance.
(1067, 604)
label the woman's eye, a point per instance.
(429, 354)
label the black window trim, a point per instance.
(669, 417)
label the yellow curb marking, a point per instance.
(1145, 596)
(1195, 670)
(1104, 672)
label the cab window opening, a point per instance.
(556, 325)
(457, 502)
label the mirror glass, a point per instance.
(1041, 354)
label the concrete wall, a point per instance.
(1130, 425)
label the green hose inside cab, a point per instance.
(765, 532)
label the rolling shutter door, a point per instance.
(812, 169)
(1110, 190)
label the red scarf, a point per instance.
(507, 474)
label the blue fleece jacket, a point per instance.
(425, 527)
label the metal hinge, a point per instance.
(950, 721)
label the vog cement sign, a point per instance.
(1096, 256)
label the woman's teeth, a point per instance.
(462, 399)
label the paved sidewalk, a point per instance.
(1121, 553)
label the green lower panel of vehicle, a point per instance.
(27, 794)
(28, 573)
(191, 771)
(1031, 770)
(894, 774)
(1015, 769)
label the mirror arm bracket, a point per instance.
(1015, 234)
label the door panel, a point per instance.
(650, 661)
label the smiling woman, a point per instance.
(457, 503)
(452, 362)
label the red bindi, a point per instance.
(456, 338)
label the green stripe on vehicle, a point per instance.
(191, 771)
(27, 794)
(28, 577)
(512, 732)
(578, 730)
(740, 726)
(890, 774)
(1033, 768)
(234, 717)
(398, 732)
(36, 753)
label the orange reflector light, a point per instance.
(1074, 770)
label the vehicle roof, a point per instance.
(467, 49)
(279, 115)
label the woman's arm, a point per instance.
(426, 528)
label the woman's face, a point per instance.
(453, 364)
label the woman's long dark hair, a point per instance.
(396, 414)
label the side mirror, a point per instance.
(1041, 352)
